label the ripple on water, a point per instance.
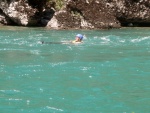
(137, 40)
(10, 91)
(53, 108)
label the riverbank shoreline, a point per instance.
(7, 27)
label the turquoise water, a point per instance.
(108, 73)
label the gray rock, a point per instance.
(19, 12)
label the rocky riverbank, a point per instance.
(75, 14)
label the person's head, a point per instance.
(79, 37)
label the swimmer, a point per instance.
(78, 39)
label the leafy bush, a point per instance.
(58, 3)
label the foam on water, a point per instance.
(107, 73)
(140, 39)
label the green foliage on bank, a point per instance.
(58, 3)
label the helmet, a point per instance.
(80, 36)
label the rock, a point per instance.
(53, 23)
(76, 14)
(99, 14)
(87, 15)
(132, 11)
(64, 20)
(27, 12)
(19, 12)
(4, 20)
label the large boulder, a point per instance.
(84, 14)
(19, 12)
(26, 12)
(131, 12)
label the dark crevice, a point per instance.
(44, 11)
(38, 4)
(135, 24)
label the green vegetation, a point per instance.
(58, 3)
(76, 13)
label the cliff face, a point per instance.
(87, 14)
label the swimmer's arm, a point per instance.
(74, 41)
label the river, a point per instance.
(108, 73)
